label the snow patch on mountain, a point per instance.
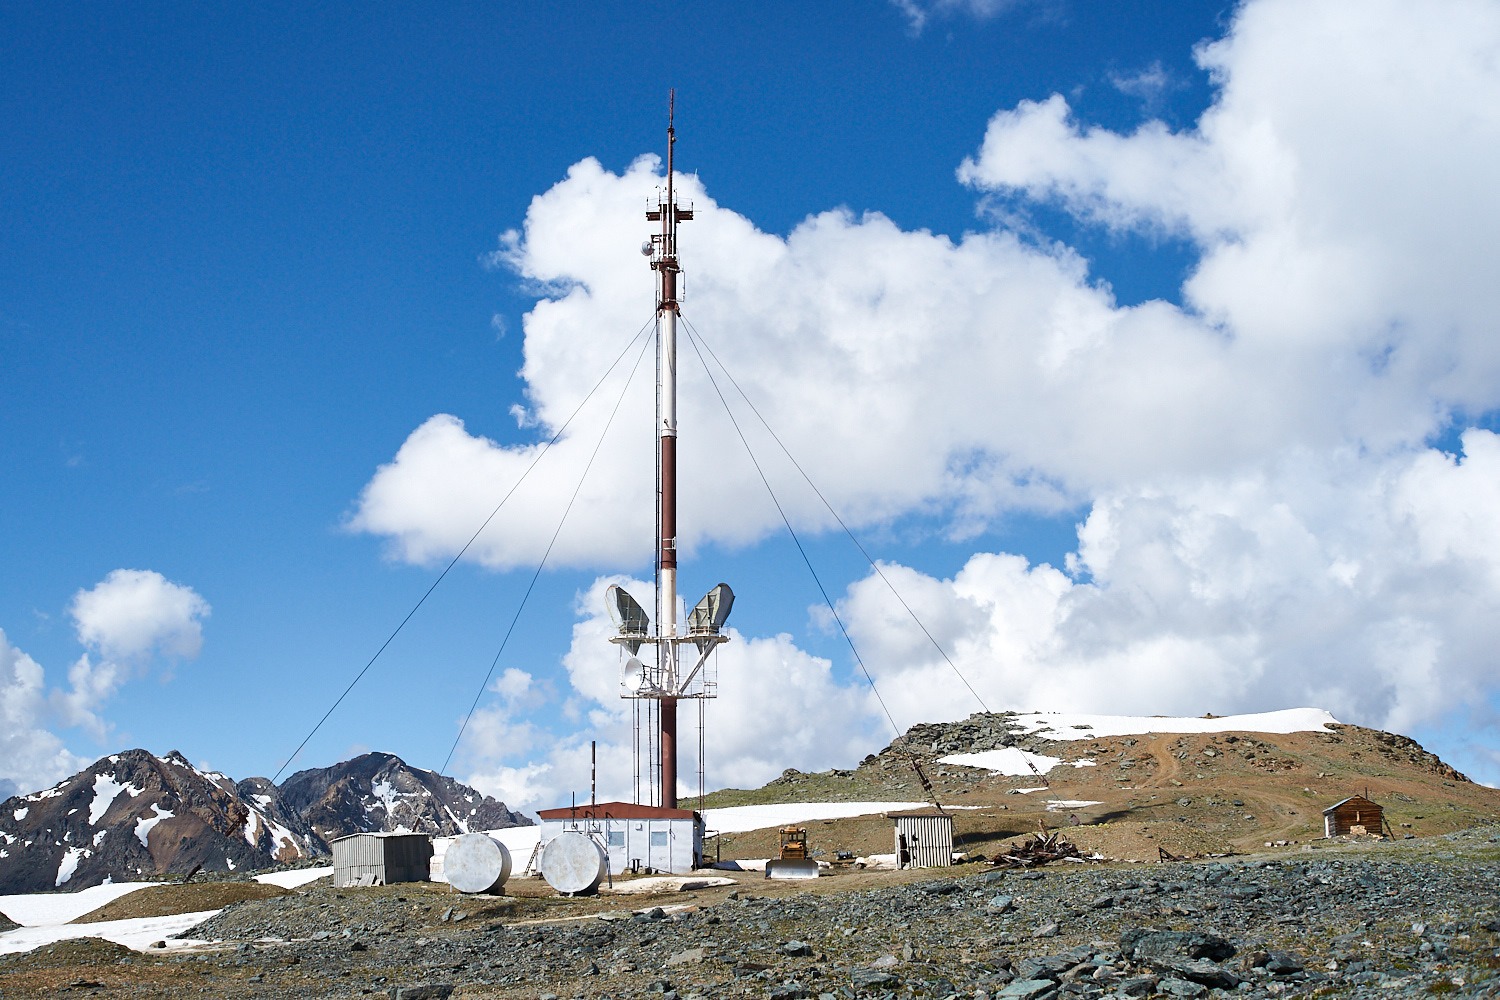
(106, 790)
(69, 863)
(146, 824)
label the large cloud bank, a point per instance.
(1269, 522)
(129, 621)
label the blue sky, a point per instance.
(247, 255)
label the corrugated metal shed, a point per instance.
(1355, 811)
(381, 858)
(634, 836)
(924, 838)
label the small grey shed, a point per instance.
(924, 838)
(381, 858)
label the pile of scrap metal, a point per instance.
(1041, 849)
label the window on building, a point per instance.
(617, 838)
(659, 839)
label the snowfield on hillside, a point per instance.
(136, 933)
(1010, 760)
(296, 878)
(738, 819)
(1073, 726)
(1076, 726)
(37, 909)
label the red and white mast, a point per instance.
(665, 682)
(665, 264)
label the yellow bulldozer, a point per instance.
(793, 861)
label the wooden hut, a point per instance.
(924, 838)
(381, 858)
(1356, 814)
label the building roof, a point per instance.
(1351, 798)
(382, 834)
(914, 813)
(615, 810)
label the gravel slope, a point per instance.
(1404, 919)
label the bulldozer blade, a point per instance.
(780, 869)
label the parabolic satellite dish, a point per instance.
(633, 676)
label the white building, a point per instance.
(635, 837)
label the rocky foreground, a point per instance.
(1405, 919)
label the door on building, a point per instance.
(661, 847)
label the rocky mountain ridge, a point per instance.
(134, 814)
(379, 791)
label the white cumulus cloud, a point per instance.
(1370, 590)
(31, 757)
(126, 621)
(135, 613)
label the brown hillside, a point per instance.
(193, 897)
(1190, 794)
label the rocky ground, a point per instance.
(1391, 919)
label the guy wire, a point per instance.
(454, 561)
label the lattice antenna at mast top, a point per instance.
(663, 244)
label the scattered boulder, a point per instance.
(790, 991)
(429, 991)
(874, 979)
(1144, 945)
(1206, 973)
(1181, 988)
(1044, 966)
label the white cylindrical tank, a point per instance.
(476, 863)
(573, 864)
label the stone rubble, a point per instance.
(1395, 921)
